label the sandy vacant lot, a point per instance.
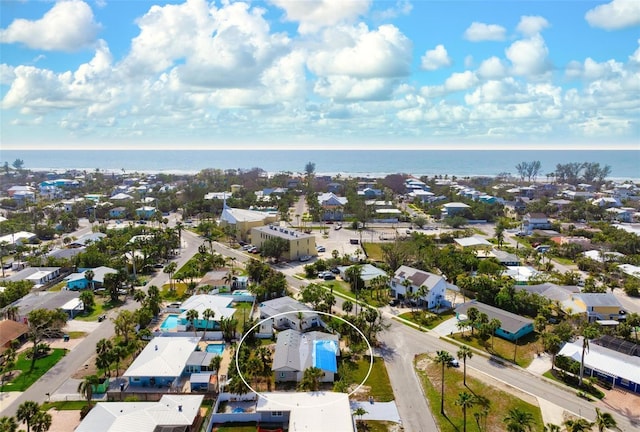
(64, 421)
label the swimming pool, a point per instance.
(169, 323)
(215, 348)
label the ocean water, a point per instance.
(625, 164)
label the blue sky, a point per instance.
(320, 74)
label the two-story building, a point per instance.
(410, 280)
(332, 206)
(295, 352)
(300, 244)
(533, 221)
(287, 313)
(594, 306)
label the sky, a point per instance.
(319, 74)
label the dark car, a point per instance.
(329, 277)
(394, 302)
(335, 270)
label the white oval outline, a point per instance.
(305, 311)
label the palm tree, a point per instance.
(550, 427)
(208, 314)
(89, 275)
(589, 332)
(170, 269)
(214, 364)
(310, 379)
(8, 424)
(359, 412)
(192, 315)
(605, 420)
(577, 425)
(139, 295)
(552, 344)
(472, 316)
(85, 387)
(347, 306)
(117, 354)
(443, 358)
(494, 325)
(518, 420)
(26, 413)
(465, 400)
(464, 353)
(41, 422)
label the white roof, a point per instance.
(329, 198)
(368, 271)
(311, 411)
(218, 304)
(163, 357)
(604, 360)
(98, 274)
(596, 255)
(455, 205)
(520, 273)
(234, 215)
(472, 241)
(73, 304)
(142, 416)
(630, 269)
(217, 195)
(17, 237)
(121, 196)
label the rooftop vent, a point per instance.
(179, 408)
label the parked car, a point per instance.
(304, 258)
(454, 363)
(337, 227)
(335, 270)
(329, 277)
(321, 249)
(394, 302)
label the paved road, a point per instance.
(80, 355)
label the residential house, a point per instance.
(621, 370)
(66, 300)
(161, 363)
(287, 313)
(408, 279)
(370, 193)
(550, 291)
(368, 273)
(332, 206)
(118, 213)
(603, 255)
(512, 326)
(300, 244)
(18, 238)
(594, 306)
(505, 258)
(146, 212)
(473, 242)
(220, 305)
(121, 197)
(242, 221)
(217, 195)
(175, 413)
(39, 276)
(606, 202)
(334, 188)
(86, 240)
(533, 221)
(9, 331)
(521, 274)
(630, 270)
(453, 208)
(420, 195)
(623, 214)
(20, 190)
(79, 281)
(295, 352)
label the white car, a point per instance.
(321, 249)
(304, 258)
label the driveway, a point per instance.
(378, 411)
(447, 327)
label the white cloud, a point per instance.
(460, 81)
(616, 15)
(401, 7)
(529, 56)
(478, 31)
(635, 57)
(492, 68)
(315, 15)
(359, 52)
(347, 88)
(7, 75)
(68, 26)
(435, 59)
(468, 61)
(532, 25)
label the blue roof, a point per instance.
(324, 355)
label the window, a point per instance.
(276, 414)
(281, 374)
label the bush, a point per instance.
(84, 411)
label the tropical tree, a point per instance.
(118, 353)
(552, 344)
(310, 379)
(588, 332)
(8, 424)
(124, 324)
(472, 315)
(27, 412)
(43, 323)
(192, 315)
(550, 427)
(170, 269)
(605, 420)
(443, 358)
(88, 299)
(214, 364)
(41, 422)
(347, 306)
(85, 387)
(464, 353)
(577, 425)
(207, 315)
(89, 275)
(139, 295)
(518, 420)
(465, 400)
(359, 412)
(493, 326)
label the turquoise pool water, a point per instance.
(215, 348)
(170, 322)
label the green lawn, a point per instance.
(373, 251)
(527, 348)
(500, 402)
(378, 379)
(27, 377)
(76, 334)
(427, 319)
(378, 425)
(57, 287)
(64, 405)
(365, 296)
(236, 427)
(177, 294)
(100, 308)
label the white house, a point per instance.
(408, 279)
(453, 208)
(368, 273)
(287, 313)
(532, 221)
(295, 352)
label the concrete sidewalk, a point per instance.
(378, 411)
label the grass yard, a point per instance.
(527, 349)
(100, 308)
(365, 296)
(378, 426)
(373, 251)
(27, 377)
(58, 287)
(177, 294)
(64, 405)
(499, 402)
(76, 334)
(427, 319)
(378, 381)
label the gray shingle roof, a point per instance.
(509, 321)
